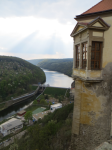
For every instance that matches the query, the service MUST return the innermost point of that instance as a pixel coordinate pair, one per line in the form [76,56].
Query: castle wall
[92,123]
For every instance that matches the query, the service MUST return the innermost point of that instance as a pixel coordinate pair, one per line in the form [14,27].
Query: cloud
[3,48]
[39,28]
[37,46]
[63,10]
[37,36]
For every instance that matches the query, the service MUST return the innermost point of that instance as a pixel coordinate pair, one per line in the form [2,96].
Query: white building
[55,106]
[10,126]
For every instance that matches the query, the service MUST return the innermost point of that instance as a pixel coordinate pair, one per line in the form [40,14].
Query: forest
[17,76]
[61,65]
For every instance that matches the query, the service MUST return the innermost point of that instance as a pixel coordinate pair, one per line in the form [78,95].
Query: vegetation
[17,77]
[54,92]
[51,92]
[28,116]
[61,65]
[53,132]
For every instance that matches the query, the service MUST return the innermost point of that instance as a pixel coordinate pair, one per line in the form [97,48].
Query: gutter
[94,13]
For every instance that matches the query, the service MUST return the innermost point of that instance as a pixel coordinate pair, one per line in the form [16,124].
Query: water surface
[56,79]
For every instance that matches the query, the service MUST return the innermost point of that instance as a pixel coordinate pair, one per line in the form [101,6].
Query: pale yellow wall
[84,35]
[88,107]
[97,24]
[95,74]
[90,103]
[79,28]
[99,34]
[77,38]
[107,51]
[88,73]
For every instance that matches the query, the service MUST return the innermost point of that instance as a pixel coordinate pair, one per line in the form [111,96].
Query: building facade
[92,72]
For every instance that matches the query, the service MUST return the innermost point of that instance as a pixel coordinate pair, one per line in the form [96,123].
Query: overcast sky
[33,29]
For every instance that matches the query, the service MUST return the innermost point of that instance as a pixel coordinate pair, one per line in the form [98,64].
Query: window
[96,55]
[77,55]
[84,55]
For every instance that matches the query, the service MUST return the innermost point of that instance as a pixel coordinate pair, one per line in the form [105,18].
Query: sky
[35,29]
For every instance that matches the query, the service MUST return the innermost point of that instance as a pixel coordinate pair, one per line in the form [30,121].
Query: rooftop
[101,6]
[41,115]
[21,112]
[55,105]
[10,124]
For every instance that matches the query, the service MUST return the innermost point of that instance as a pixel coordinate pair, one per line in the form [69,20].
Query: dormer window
[96,55]
[84,55]
[77,55]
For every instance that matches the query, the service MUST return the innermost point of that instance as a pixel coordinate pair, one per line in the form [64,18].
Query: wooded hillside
[61,65]
[17,77]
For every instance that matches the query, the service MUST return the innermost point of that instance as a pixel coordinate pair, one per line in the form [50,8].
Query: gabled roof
[97,23]
[77,26]
[101,6]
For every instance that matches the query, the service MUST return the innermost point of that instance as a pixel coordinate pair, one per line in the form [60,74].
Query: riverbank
[6,104]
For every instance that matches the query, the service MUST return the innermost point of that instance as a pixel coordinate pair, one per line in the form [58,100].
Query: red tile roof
[101,6]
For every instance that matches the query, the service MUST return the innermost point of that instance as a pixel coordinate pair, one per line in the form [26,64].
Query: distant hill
[17,76]
[61,65]
[35,61]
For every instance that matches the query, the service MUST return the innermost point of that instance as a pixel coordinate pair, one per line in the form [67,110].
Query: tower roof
[101,6]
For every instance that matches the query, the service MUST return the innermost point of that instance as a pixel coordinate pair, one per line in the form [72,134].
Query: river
[57,79]
[53,78]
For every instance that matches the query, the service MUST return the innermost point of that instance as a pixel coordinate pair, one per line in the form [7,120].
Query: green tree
[28,116]
[13,147]
[35,102]
[42,101]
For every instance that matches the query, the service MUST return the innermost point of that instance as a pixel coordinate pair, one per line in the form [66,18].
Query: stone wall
[92,123]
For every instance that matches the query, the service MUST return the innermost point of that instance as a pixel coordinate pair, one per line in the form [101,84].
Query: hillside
[35,61]
[61,65]
[17,77]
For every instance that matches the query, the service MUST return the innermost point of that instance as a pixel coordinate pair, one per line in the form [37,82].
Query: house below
[40,115]
[55,106]
[21,113]
[11,126]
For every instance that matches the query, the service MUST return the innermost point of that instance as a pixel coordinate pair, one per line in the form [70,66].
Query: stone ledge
[87,80]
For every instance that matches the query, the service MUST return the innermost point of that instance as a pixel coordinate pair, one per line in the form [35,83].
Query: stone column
[74,55]
[77,105]
[89,51]
[80,61]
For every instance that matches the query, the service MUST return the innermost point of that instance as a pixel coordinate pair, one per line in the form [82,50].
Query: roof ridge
[92,7]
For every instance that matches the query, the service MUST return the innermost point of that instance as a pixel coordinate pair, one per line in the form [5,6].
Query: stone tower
[92,72]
